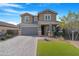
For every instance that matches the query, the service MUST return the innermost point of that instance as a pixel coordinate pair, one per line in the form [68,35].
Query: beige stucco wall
[30,18]
[41,16]
[4,28]
[46,22]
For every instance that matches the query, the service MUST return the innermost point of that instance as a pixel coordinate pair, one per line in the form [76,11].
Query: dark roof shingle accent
[48,10]
[25,14]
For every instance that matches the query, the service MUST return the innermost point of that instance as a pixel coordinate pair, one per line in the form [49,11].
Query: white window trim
[47,17]
[25,19]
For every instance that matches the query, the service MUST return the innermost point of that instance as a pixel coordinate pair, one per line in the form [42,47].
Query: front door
[44,29]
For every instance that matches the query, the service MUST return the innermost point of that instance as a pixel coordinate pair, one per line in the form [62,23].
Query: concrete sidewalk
[19,46]
[74,43]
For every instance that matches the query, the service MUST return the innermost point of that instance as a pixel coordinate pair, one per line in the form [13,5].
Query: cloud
[11,10]
[10,5]
[11,22]
[6,14]
[19,12]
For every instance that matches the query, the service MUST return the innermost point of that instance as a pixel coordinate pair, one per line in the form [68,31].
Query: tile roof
[46,10]
[26,13]
[7,24]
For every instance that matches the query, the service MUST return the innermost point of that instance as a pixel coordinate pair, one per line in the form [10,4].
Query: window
[47,17]
[26,19]
[34,20]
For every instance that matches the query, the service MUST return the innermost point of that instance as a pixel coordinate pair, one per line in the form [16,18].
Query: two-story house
[41,25]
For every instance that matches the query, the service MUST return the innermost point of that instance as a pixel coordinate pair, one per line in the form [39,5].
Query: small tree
[70,22]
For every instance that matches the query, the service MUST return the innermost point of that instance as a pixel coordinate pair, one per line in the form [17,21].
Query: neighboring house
[41,25]
[5,27]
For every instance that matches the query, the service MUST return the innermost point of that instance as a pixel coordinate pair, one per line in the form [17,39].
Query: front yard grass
[56,48]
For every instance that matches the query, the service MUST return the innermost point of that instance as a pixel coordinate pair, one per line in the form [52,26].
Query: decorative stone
[49,33]
[39,33]
[19,32]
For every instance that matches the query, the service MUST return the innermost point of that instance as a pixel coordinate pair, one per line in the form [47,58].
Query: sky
[10,12]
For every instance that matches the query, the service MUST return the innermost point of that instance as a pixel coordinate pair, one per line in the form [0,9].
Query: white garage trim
[28,25]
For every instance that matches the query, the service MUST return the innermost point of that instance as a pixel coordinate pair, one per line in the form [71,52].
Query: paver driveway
[18,46]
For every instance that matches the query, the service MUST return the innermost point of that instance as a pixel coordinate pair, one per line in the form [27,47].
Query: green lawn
[56,48]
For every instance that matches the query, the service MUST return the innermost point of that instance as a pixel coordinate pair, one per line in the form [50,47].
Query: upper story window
[34,20]
[47,17]
[26,19]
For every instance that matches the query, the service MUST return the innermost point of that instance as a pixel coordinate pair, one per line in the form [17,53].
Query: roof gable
[48,11]
[45,11]
[24,14]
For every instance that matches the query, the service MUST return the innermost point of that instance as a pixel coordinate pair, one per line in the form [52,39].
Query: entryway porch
[46,30]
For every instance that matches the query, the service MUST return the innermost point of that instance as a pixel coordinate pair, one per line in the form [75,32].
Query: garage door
[30,31]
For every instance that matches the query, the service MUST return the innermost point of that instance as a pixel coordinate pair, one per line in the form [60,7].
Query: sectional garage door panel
[29,31]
